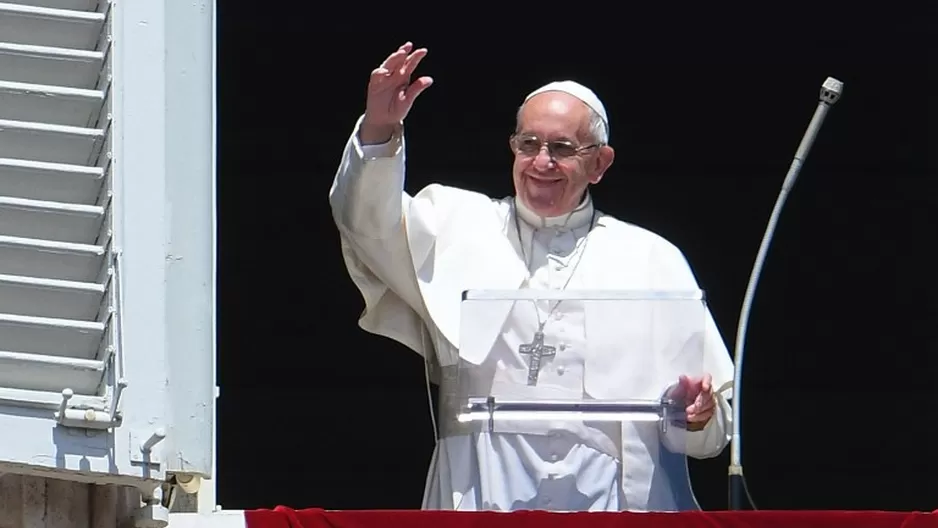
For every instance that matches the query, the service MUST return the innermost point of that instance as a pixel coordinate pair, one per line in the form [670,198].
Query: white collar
[579,217]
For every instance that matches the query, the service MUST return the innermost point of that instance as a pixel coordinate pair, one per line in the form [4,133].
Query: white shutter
[107,294]
[58,293]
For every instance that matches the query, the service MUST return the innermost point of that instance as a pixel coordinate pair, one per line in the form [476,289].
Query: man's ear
[601,163]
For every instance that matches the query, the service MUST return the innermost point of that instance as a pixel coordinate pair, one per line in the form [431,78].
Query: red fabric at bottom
[282,517]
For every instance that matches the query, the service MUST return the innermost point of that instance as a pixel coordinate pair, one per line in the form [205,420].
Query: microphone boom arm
[831,90]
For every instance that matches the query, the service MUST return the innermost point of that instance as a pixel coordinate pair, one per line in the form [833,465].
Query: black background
[707,107]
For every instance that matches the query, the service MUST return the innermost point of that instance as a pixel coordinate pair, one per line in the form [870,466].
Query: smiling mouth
[540,180]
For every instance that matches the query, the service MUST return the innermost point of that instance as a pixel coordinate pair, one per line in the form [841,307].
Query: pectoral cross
[538,350]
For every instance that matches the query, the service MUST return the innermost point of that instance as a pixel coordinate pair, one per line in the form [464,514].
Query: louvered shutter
[107,239]
[57,297]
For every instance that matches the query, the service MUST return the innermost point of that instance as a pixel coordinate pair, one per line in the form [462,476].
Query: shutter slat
[50,104]
[46,259]
[75,5]
[61,222]
[47,399]
[44,26]
[54,337]
[50,65]
[50,181]
[50,298]
[37,372]
[48,142]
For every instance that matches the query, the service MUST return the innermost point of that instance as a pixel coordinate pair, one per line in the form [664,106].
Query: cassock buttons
[560,370]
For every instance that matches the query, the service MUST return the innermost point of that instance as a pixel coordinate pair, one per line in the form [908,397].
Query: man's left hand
[698,392]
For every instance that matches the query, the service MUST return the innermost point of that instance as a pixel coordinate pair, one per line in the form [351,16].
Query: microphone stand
[831,90]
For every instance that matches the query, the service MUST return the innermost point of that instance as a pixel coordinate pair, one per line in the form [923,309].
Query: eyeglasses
[531,146]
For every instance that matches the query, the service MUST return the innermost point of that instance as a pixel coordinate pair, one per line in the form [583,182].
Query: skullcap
[576,90]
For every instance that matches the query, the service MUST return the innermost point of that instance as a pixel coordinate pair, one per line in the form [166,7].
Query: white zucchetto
[580,92]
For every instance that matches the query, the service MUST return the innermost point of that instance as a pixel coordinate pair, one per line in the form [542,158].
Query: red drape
[316,518]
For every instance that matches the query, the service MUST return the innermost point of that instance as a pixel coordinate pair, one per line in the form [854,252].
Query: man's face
[553,183]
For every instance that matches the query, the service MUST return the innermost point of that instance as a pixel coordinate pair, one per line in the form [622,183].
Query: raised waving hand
[391,93]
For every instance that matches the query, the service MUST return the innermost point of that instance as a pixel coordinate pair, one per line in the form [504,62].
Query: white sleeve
[367,200]
[715,436]
[367,193]
[707,442]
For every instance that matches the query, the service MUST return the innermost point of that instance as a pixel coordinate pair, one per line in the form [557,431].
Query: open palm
[391,93]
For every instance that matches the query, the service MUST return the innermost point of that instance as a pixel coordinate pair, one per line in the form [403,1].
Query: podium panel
[612,369]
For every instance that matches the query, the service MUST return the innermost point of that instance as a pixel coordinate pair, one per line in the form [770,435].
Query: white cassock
[412,257]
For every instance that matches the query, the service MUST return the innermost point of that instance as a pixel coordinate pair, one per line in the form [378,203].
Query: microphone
[831,90]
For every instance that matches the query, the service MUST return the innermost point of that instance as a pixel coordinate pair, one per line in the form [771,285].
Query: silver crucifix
[538,350]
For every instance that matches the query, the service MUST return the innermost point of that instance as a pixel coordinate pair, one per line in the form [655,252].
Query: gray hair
[598,129]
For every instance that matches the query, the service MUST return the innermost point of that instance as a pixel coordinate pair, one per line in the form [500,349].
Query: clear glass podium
[601,369]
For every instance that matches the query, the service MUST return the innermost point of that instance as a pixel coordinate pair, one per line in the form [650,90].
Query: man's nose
[543,161]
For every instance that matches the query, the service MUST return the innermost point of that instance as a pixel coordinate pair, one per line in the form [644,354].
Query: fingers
[396,59]
[686,383]
[707,400]
[412,61]
[404,61]
[702,404]
[699,417]
[390,90]
[702,409]
[396,71]
[683,389]
[700,390]
[694,386]
[417,87]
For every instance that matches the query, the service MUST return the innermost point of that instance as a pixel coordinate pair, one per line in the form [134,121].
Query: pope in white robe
[412,257]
